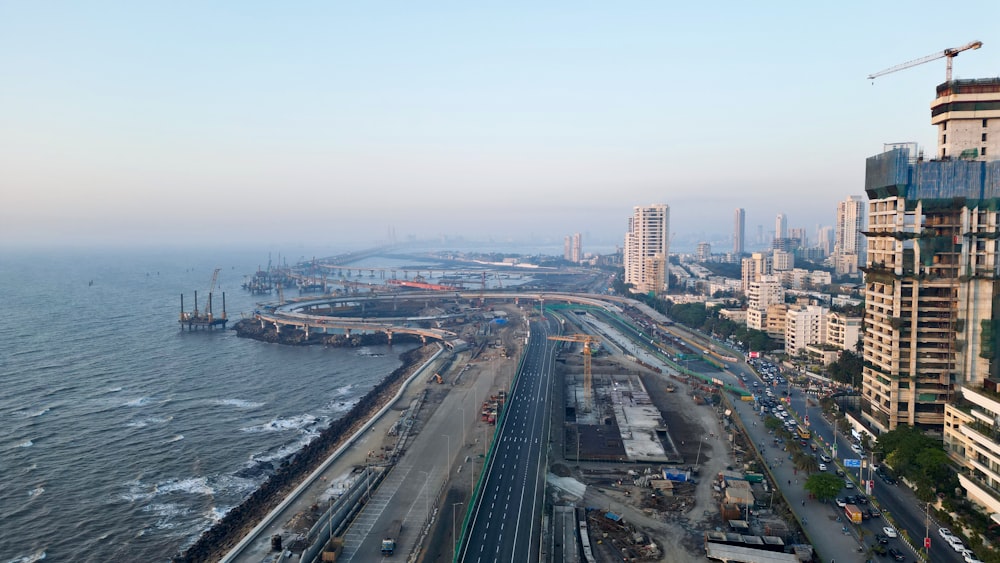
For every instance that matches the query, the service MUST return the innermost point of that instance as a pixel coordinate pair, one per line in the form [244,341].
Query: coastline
[215,542]
[250,328]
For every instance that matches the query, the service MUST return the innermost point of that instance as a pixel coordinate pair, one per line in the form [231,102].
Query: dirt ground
[677,529]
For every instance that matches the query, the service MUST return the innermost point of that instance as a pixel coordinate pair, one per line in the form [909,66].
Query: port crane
[588,342]
[947,53]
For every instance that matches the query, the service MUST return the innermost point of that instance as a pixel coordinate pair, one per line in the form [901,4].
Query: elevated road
[504,523]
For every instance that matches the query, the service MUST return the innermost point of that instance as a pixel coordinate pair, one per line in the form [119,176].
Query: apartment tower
[931,296]
[848,245]
[739,232]
[647,246]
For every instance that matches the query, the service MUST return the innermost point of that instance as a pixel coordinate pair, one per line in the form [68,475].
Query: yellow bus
[804,433]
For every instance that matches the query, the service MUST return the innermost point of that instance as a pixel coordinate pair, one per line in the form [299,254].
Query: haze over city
[142,124]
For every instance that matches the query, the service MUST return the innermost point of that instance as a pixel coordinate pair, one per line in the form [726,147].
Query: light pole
[454,537]
[462,408]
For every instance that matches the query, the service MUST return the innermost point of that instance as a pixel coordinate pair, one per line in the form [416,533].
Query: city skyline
[139,124]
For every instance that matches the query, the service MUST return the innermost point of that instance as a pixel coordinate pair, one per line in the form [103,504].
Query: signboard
[852,463]
[754,354]
[927,543]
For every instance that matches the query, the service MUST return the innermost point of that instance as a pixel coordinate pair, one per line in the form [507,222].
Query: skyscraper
[780,226]
[576,250]
[739,232]
[848,246]
[647,246]
[931,290]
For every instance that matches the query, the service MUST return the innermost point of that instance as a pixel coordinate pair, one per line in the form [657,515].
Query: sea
[123,438]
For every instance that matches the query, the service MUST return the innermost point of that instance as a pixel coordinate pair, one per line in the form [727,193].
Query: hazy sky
[287,121]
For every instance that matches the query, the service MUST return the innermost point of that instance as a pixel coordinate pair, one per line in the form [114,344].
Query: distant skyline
[260,123]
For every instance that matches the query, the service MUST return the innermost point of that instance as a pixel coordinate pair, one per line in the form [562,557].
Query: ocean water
[123,438]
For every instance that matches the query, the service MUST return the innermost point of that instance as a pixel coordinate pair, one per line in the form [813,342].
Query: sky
[265,122]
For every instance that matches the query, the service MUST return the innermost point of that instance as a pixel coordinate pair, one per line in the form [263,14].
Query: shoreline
[217,540]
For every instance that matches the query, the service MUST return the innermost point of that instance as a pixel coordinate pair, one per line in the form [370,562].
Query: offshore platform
[205,318]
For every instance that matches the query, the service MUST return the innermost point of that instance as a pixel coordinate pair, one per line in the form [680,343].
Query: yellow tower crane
[588,343]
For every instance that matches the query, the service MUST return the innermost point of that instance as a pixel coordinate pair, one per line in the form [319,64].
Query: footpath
[818,520]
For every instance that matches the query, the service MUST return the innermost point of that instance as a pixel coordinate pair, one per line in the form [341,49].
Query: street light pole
[447,461]
[454,537]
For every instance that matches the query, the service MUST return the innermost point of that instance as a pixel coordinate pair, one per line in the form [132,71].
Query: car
[822,467]
[896,554]
[882,538]
[840,473]
[945,533]
[857,449]
[957,544]
[890,532]
[825,458]
[866,515]
[848,484]
[840,502]
[875,511]
[971,558]
[862,499]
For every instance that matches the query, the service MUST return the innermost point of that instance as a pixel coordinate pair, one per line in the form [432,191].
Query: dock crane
[947,53]
[588,343]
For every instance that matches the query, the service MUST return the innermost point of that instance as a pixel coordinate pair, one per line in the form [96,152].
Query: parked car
[945,533]
[841,502]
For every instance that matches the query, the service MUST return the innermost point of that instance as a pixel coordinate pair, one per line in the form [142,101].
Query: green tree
[807,462]
[773,423]
[823,486]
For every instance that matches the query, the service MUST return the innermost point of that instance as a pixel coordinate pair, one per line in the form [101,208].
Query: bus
[803,433]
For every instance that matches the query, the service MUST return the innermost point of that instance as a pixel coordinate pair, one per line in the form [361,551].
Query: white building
[804,325]
[760,295]
[973,443]
[849,243]
[782,260]
[843,331]
[739,231]
[647,246]
[755,268]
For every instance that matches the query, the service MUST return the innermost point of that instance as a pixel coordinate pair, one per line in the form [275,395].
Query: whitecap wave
[176,438]
[26,444]
[193,485]
[238,403]
[37,413]
[143,422]
[35,492]
[283,424]
[141,401]
[114,389]
[36,556]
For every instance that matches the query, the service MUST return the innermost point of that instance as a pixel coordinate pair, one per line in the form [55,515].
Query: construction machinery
[588,342]
[947,53]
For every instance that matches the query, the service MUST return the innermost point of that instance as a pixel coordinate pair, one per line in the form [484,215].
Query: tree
[772,423]
[824,486]
[807,462]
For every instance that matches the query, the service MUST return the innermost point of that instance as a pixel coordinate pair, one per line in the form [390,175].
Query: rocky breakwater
[215,542]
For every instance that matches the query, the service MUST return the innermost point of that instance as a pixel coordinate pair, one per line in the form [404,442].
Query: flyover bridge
[297,315]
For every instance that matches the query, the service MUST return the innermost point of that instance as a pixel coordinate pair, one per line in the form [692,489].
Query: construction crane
[588,343]
[948,53]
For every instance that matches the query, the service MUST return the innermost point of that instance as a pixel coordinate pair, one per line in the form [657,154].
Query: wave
[144,422]
[114,389]
[283,424]
[176,438]
[141,401]
[26,444]
[238,403]
[36,556]
[192,485]
[35,492]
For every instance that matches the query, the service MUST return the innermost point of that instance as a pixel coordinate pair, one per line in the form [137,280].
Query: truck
[389,541]
[853,513]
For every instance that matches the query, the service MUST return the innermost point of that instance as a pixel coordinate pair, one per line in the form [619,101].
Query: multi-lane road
[505,521]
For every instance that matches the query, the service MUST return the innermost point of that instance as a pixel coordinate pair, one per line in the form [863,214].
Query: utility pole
[927,529]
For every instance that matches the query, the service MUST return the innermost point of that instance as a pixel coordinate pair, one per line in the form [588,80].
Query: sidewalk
[818,520]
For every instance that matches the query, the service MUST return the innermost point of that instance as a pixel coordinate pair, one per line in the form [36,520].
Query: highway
[505,522]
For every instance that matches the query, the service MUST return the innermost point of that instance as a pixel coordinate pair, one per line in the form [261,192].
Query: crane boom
[949,53]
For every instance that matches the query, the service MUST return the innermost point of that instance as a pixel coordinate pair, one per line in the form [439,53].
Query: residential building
[704,252]
[567,248]
[576,249]
[804,325]
[755,267]
[930,284]
[782,260]
[825,240]
[739,231]
[848,249]
[780,226]
[647,246]
[972,440]
[843,331]
[760,295]
[967,116]
[775,319]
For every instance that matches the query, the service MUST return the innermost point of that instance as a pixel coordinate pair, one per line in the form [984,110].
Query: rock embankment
[215,542]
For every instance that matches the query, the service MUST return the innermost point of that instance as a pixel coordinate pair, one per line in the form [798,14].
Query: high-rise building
[754,268]
[739,232]
[804,325]
[967,116]
[704,251]
[780,226]
[647,247]
[849,243]
[761,294]
[576,249]
[970,438]
[567,248]
[800,234]
[825,238]
[931,291]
